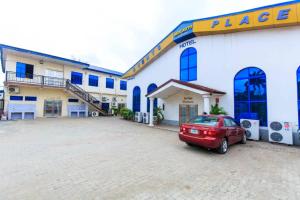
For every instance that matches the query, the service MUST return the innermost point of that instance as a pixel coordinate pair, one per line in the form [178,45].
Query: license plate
[194,131]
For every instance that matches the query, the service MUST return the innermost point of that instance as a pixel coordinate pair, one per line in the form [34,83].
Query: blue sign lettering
[245,20]
[215,23]
[263,17]
[283,14]
[228,23]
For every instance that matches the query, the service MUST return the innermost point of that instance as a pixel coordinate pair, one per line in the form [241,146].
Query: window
[73,100]
[110,83]
[205,120]
[229,122]
[150,89]
[136,99]
[188,65]
[123,85]
[24,70]
[30,98]
[76,78]
[250,95]
[298,89]
[16,98]
[93,80]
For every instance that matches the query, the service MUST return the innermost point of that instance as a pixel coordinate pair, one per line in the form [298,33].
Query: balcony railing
[33,79]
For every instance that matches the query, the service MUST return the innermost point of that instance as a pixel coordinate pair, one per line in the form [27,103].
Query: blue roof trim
[3,46]
[217,16]
[103,70]
[2,60]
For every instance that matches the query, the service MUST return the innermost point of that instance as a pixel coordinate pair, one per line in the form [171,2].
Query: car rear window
[205,120]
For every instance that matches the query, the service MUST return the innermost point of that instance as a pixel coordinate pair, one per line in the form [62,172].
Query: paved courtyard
[108,158]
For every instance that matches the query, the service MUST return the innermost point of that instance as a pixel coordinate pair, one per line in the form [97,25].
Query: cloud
[112,34]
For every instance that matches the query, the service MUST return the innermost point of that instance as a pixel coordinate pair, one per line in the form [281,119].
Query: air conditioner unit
[138,117]
[14,90]
[95,114]
[146,118]
[104,99]
[281,132]
[251,127]
[114,99]
[114,104]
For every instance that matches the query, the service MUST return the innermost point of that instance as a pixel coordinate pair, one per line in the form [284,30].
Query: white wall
[220,57]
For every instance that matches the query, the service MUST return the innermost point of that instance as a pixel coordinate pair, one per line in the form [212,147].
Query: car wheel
[244,139]
[224,147]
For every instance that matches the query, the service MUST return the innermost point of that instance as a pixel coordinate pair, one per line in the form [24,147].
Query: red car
[212,132]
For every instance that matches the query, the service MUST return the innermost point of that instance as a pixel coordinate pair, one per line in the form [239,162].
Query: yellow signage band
[279,15]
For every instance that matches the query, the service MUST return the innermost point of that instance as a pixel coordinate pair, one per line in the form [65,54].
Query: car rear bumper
[208,142]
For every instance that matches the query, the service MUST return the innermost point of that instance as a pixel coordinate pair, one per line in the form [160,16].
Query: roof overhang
[5,49]
[173,87]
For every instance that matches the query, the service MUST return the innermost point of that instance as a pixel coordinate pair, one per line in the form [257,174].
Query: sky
[111,34]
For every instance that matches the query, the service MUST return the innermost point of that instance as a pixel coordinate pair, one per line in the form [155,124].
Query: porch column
[151,111]
[206,105]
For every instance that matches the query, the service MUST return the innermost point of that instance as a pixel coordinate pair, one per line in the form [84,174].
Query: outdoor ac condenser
[138,117]
[146,118]
[251,127]
[281,132]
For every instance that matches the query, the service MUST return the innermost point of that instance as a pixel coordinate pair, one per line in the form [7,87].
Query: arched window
[151,88]
[136,99]
[250,95]
[188,65]
[298,89]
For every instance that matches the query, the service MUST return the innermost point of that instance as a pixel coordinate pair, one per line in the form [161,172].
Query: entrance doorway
[52,108]
[187,112]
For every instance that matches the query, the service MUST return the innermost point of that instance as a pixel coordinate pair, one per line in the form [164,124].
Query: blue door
[105,107]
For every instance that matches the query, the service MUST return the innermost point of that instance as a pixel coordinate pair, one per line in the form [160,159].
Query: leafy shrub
[216,110]
[158,114]
[126,114]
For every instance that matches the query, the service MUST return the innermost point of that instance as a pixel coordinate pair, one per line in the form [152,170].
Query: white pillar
[151,111]
[206,106]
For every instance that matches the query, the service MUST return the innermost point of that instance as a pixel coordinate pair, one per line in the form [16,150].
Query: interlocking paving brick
[109,158]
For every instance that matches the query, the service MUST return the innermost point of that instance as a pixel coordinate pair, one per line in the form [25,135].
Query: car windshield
[205,120]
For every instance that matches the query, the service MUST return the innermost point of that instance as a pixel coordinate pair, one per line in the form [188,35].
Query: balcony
[35,80]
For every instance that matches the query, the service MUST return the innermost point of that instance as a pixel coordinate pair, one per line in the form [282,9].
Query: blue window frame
[136,99]
[151,88]
[76,78]
[93,80]
[110,83]
[73,100]
[24,70]
[123,85]
[298,90]
[16,98]
[250,95]
[188,65]
[30,98]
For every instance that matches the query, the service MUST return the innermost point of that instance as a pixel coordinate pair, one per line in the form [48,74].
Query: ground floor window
[298,90]
[150,89]
[136,99]
[250,95]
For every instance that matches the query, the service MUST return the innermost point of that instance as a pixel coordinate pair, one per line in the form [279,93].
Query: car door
[230,131]
[238,134]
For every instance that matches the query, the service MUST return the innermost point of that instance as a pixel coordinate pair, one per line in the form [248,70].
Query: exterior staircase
[85,96]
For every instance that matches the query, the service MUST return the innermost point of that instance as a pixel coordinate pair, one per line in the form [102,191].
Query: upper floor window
[123,85]
[16,98]
[93,80]
[188,65]
[24,70]
[30,98]
[76,78]
[110,83]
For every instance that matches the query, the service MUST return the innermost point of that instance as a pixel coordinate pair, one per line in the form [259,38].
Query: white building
[248,62]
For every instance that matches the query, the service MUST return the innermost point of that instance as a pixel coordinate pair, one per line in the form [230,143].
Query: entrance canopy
[174,86]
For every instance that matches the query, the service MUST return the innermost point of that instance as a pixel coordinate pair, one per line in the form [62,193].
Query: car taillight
[209,133]
[182,129]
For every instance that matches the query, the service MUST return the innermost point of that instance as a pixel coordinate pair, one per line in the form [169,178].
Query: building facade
[42,85]
[246,62]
